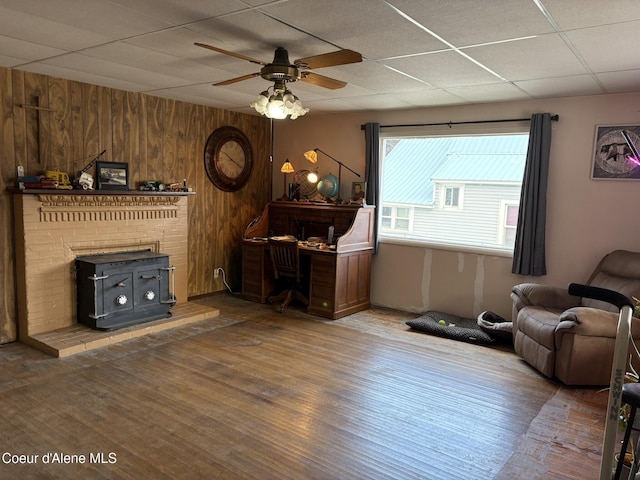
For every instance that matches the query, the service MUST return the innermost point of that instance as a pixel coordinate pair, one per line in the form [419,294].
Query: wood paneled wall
[160,139]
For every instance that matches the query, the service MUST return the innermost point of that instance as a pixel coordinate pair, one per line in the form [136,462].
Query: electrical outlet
[20,171]
[216,272]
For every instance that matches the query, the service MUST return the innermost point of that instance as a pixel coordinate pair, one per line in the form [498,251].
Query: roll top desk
[338,272]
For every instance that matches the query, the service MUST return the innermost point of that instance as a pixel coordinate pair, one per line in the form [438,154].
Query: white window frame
[502,221]
[443,195]
[394,211]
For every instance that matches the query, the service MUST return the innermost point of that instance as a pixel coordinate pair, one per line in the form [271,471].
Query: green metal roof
[411,168]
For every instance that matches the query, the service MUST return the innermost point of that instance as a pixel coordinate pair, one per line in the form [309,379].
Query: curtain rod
[555,118]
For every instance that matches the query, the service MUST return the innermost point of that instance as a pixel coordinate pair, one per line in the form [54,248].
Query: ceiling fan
[281,71]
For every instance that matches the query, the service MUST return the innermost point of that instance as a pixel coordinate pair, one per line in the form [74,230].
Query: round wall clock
[228,158]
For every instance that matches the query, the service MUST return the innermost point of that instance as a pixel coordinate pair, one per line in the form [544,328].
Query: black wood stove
[117,290]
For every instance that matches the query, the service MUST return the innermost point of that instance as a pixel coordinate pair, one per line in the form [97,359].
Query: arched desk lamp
[312,156]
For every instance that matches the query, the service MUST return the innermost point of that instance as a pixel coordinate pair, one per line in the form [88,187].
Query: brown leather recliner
[572,338]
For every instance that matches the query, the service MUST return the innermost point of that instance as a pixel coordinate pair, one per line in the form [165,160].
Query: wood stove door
[117,292]
[152,287]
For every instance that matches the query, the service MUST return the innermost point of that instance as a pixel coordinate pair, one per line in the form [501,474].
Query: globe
[328,186]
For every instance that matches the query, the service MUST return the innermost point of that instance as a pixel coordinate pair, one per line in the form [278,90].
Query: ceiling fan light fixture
[275,107]
[282,104]
[260,103]
[289,99]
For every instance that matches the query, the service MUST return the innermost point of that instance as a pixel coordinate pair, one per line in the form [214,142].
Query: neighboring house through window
[460,191]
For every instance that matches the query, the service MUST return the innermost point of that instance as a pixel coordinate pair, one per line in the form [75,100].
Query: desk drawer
[323,270]
[340,284]
[322,285]
[257,272]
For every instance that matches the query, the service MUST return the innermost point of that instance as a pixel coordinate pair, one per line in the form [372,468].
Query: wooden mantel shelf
[129,193]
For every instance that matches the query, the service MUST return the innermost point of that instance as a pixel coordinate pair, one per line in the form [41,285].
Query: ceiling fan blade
[339,57]
[237,79]
[322,81]
[232,54]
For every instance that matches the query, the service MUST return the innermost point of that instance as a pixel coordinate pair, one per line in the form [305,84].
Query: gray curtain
[529,250]
[372,173]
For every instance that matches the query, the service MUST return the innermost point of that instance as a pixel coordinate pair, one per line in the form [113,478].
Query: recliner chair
[572,338]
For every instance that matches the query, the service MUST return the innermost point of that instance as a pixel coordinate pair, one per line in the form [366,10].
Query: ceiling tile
[184,11]
[375,76]
[330,105]
[104,18]
[372,28]
[85,77]
[443,70]
[470,22]
[608,48]
[619,82]
[496,92]
[506,58]
[81,63]
[588,13]
[430,98]
[157,62]
[10,62]
[41,31]
[382,102]
[561,86]
[26,51]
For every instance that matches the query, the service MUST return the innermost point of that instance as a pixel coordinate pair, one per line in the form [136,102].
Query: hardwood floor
[253,394]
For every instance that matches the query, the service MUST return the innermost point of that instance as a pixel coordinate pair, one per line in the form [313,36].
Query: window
[396,218]
[456,191]
[508,223]
[451,195]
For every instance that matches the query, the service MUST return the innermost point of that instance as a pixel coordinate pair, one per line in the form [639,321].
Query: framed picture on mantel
[112,175]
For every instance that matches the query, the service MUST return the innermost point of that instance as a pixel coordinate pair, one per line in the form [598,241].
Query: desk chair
[285,258]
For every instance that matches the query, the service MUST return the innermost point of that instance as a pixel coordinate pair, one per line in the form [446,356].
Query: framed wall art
[615,153]
[358,190]
[112,175]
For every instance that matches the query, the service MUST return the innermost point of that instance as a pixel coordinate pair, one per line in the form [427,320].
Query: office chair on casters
[285,258]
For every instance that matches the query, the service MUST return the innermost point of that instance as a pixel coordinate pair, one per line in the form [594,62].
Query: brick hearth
[52,229]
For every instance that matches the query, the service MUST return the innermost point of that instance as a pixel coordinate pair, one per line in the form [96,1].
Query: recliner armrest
[588,321]
[527,294]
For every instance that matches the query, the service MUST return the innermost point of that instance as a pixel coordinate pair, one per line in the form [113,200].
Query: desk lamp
[312,156]
[286,168]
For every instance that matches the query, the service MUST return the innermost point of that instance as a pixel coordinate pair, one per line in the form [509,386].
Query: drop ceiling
[416,53]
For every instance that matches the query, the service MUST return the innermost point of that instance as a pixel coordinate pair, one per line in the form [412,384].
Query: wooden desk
[339,279]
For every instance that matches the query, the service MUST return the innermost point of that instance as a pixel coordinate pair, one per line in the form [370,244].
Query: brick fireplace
[52,229]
